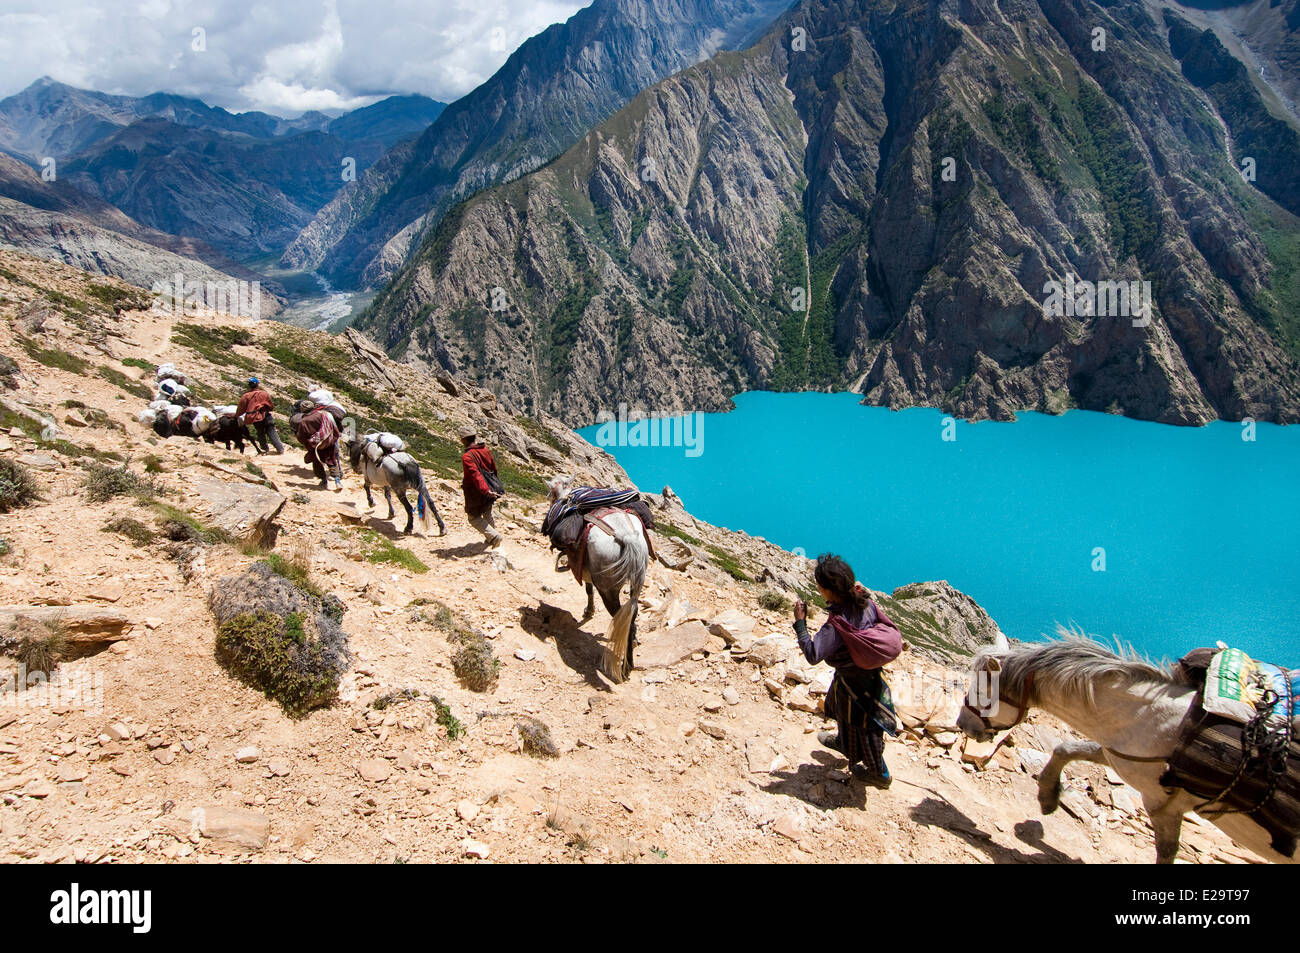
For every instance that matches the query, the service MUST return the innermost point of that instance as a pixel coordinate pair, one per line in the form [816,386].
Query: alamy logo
[76,906]
[179,296]
[637,429]
[1102,299]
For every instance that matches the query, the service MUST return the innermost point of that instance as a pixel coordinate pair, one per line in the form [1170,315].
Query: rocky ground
[707,753]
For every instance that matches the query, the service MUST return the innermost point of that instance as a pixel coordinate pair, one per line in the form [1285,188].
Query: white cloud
[282,57]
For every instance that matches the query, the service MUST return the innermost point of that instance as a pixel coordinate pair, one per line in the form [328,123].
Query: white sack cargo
[204,421]
[173,411]
[146,417]
[391,442]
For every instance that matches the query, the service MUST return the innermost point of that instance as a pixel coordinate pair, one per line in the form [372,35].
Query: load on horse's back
[382,460]
[603,535]
[1151,725]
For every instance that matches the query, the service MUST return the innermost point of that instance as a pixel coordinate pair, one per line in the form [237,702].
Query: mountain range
[877,195]
[666,202]
[550,91]
[244,183]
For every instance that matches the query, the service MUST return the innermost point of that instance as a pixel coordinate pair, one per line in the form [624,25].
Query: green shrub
[442,712]
[181,527]
[138,362]
[668,529]
[132,529]
[380,549]
[118,299]
[53,357]
[473,662]
[154,464]
[279,639]
[475,665]
[104,483]
[296,569]
[773,601]
[36,644]
[129,384]
[17,486]
[535,737]
[727,563]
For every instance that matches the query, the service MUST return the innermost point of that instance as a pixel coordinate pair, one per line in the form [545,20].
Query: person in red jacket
[481,484]
[255,407]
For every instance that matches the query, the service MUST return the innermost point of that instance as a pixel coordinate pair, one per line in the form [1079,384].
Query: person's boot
[869,777]
[830,739]
[338,485]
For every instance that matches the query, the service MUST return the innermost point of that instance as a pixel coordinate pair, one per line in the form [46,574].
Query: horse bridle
[1022,707]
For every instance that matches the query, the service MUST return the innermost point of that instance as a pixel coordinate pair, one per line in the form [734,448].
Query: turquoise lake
[1200,528]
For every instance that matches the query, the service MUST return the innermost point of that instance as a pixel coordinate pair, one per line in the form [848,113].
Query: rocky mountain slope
[1263,34]
[876,196]
[547,95]
[57,221]
[706,754]
[244,183]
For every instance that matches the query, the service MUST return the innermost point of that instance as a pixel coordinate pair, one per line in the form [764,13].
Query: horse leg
[591,603]
[1049,780]
[410,513]
[1167,822]
[370,500]
[388,498]
[610,599]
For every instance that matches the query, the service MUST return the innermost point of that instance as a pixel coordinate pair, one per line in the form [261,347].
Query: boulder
[84,627]
[978,753]
[73,419]
[674,554]
[513,440]
[447,383]
[546,453]
[38,461]
[768,651]
[669,646]
[232,826]
[734,626]
[244,510]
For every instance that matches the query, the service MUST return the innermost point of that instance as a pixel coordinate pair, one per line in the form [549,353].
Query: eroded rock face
[246,511]
[657,261]
[550,92]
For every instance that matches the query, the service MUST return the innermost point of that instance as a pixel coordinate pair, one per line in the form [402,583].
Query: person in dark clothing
[858,698]
[480,473]
[255,407]
[317,430]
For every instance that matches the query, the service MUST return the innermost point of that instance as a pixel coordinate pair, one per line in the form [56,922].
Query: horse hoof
[1048,803]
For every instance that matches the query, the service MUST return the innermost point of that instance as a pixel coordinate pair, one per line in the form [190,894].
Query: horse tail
[424,502]
[633,558]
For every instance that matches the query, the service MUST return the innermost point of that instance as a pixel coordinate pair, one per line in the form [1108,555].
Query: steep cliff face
[553,89]
[881,195]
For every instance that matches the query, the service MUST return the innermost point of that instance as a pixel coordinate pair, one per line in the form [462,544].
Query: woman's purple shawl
[871,638]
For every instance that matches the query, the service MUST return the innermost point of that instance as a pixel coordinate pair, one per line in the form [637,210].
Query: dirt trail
[707,759]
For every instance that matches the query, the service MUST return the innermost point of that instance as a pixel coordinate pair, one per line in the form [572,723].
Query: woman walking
[856,641]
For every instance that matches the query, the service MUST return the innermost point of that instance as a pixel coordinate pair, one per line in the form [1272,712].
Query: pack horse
[1148,723]
[381,460]
[603,535]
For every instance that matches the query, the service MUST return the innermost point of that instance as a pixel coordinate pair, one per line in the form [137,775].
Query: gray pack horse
[395,472]
[612,562]
[1132,710]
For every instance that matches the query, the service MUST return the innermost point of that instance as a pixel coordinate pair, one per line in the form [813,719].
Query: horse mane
[1073,662]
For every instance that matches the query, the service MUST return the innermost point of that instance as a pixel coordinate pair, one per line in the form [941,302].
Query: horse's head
[986,710]
[558,486]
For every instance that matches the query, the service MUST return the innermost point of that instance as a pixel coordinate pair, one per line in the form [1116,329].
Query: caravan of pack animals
[219,645]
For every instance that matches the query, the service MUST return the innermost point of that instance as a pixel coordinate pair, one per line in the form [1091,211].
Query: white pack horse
[395,472]
[1131,709]
[612,562]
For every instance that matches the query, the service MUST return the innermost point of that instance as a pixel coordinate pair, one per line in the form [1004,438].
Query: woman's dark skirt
[851,701]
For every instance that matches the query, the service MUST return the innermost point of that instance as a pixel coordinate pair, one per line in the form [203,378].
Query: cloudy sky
[283,56]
